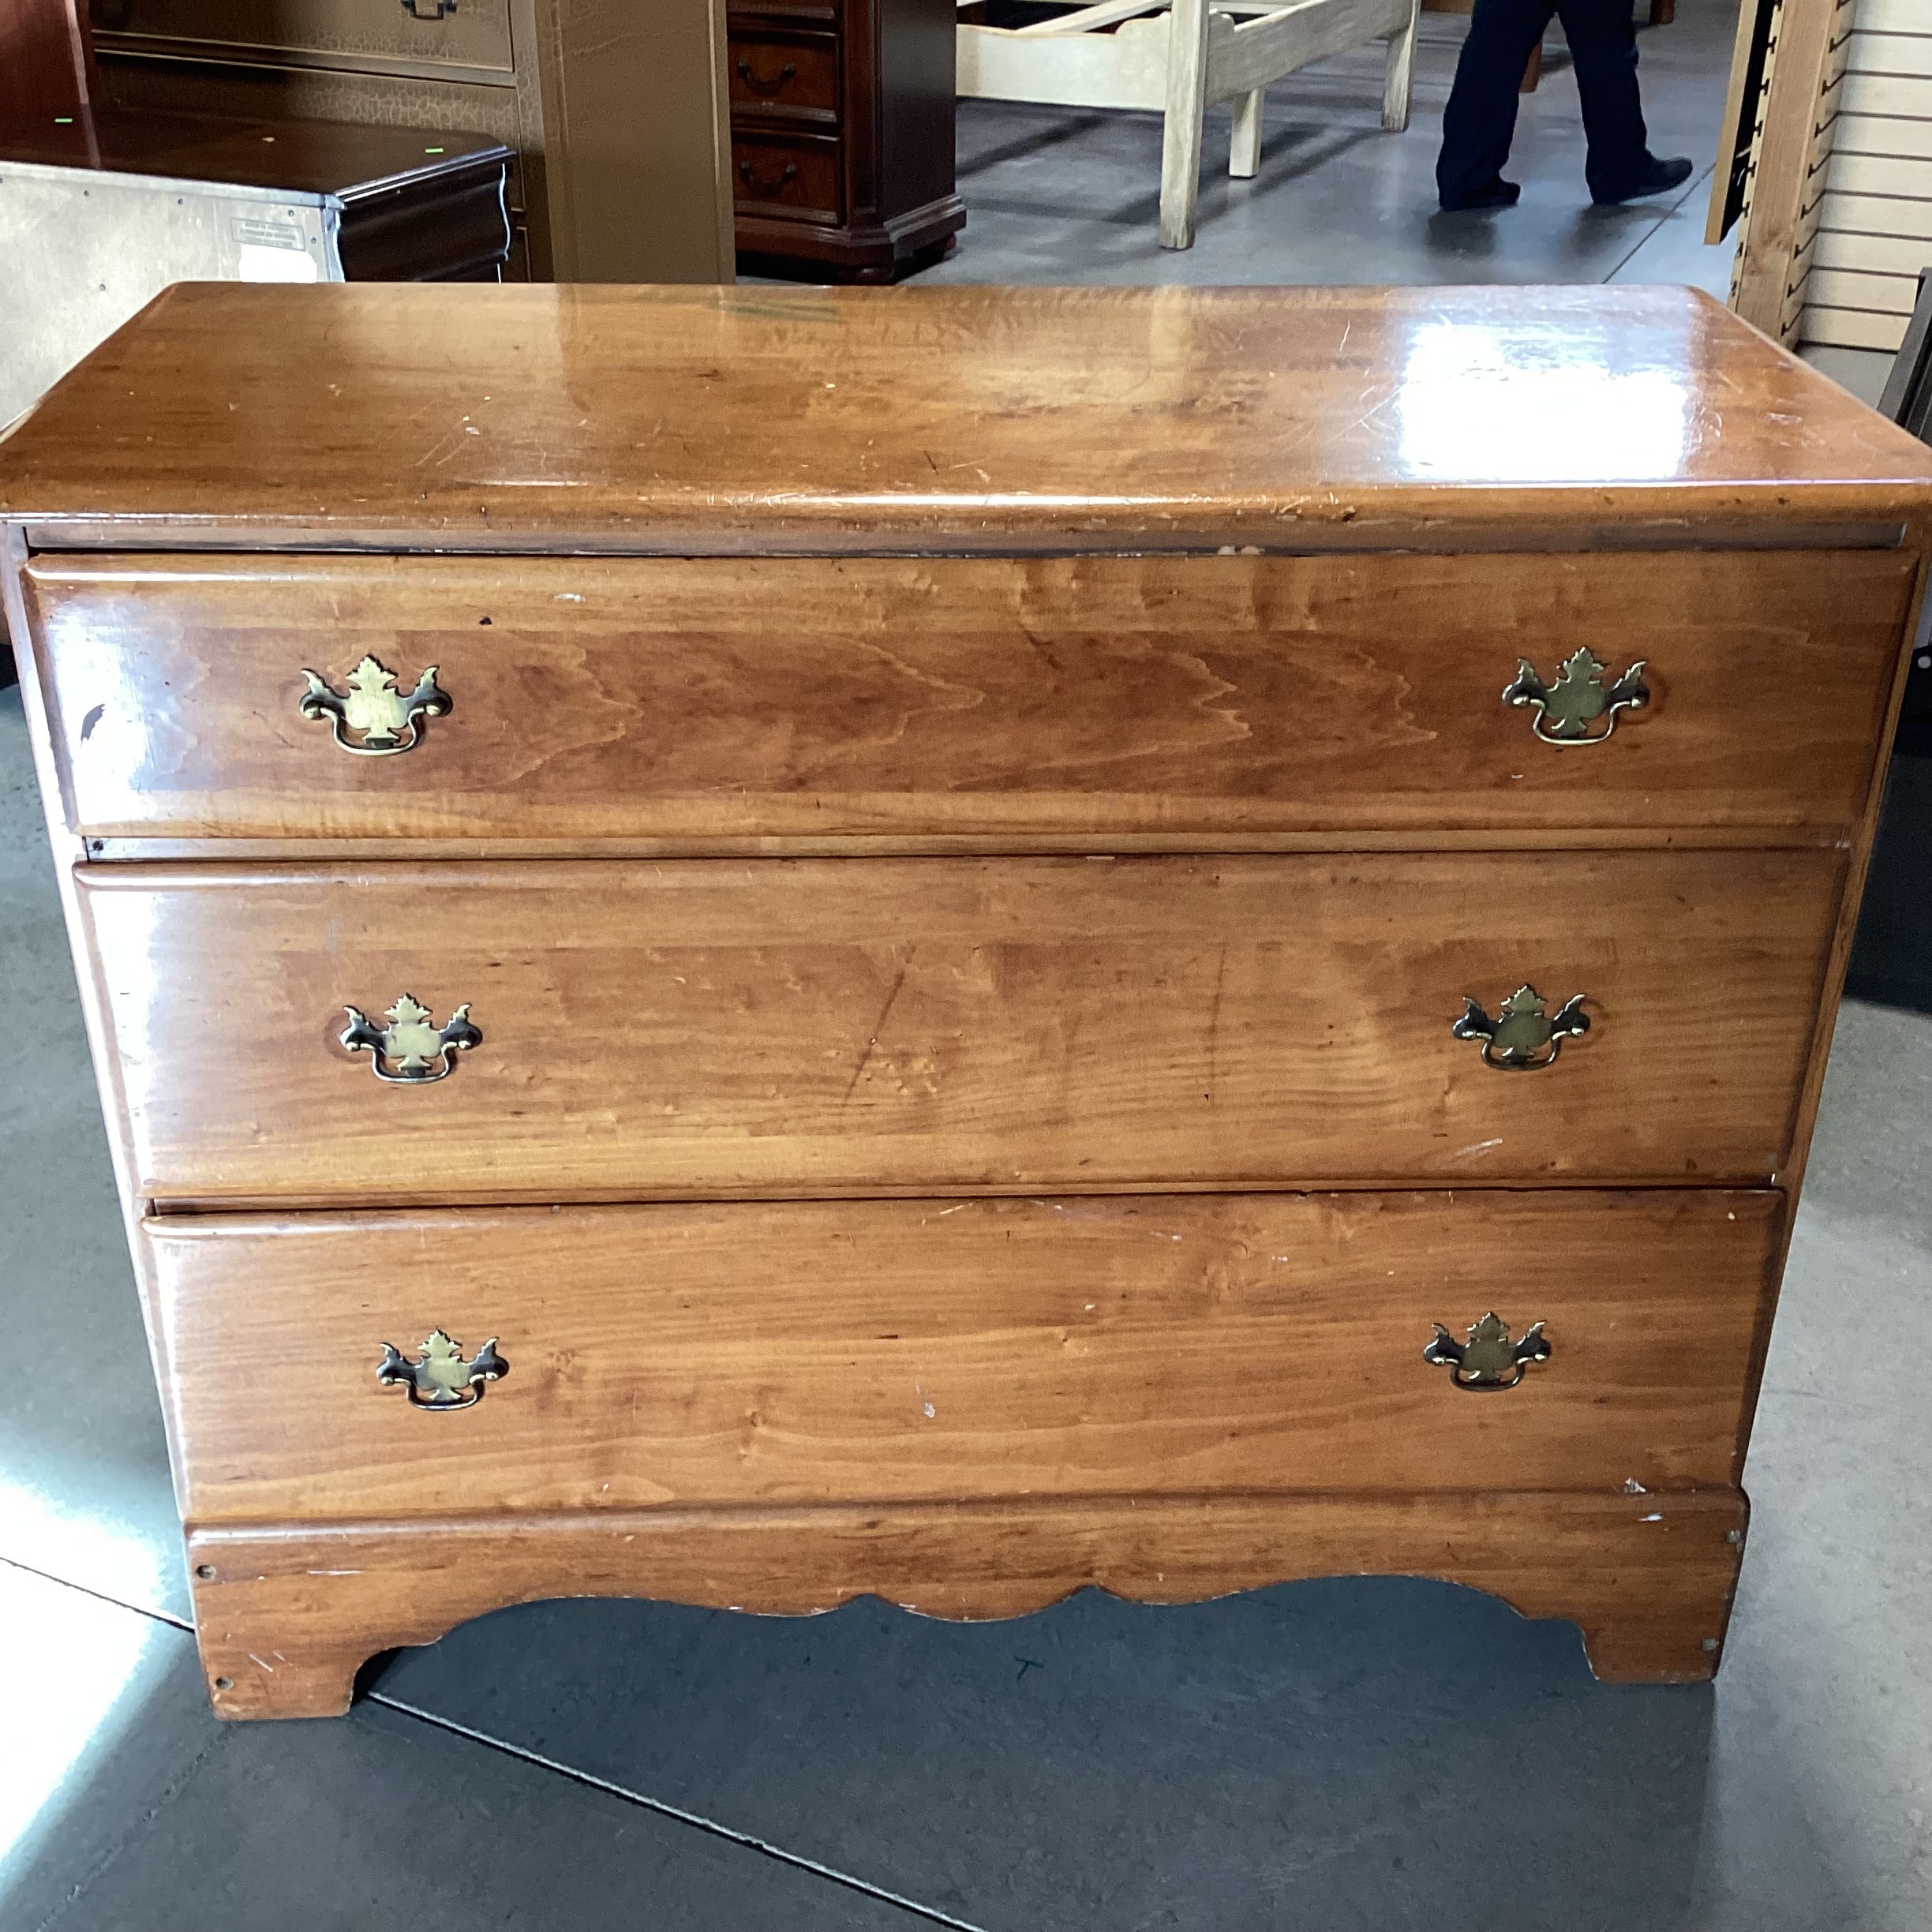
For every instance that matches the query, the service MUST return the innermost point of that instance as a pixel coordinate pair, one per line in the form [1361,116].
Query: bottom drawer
[901,1350]
[798,175]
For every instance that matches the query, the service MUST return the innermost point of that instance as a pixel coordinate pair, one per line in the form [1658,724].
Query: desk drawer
[892,1351]
[691,701]
[799,175]
[874,1026]
[783,76]
[471,33]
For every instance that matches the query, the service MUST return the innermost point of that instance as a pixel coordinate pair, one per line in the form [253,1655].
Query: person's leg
[1603,47]
[1480,118]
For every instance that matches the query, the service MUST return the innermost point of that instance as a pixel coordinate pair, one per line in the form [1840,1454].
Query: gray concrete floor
[1358,1753]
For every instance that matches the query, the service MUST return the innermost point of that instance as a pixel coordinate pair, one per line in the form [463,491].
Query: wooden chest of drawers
[955,944]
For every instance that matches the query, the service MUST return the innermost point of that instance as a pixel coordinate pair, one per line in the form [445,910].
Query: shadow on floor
[1281,1757]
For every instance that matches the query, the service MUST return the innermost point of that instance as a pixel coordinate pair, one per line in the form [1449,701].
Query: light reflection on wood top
[956,416]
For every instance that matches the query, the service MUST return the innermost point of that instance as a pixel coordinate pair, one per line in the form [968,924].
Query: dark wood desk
[842,115]
[417,206]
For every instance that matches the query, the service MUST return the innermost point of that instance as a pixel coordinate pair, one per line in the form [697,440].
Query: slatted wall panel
[1828,126]
[1795,123]
[1874,226]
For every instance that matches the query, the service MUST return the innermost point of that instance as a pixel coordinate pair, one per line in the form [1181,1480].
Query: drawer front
[874,1026]
[465,33]
[1054,700]
[800,176]
[783,76]
[891,1351]
[757,16]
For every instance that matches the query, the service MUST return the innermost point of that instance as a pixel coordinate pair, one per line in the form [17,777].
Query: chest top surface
[597,417]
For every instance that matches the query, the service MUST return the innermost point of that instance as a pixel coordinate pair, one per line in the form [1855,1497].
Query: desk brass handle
[757,83]
[439,1378]
[385,723]
[1489,1359]
[1565,709]
[1522,1038]
[760,185]
[428,10]
[409,1052]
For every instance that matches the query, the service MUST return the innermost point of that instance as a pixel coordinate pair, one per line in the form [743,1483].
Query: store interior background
[1057,195]
[1353,1753]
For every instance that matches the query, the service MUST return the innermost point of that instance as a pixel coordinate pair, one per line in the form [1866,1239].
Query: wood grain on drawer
[783,76]
[798,175]
[470,33]
[1055,699]
[877,1351]
[829,1025]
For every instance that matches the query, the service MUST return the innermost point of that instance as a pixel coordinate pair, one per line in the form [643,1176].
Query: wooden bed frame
[1179,57]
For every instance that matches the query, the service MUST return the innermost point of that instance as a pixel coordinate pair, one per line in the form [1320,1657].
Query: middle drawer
[881,1026]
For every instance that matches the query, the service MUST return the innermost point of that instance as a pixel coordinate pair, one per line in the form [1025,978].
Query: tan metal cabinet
[616,111]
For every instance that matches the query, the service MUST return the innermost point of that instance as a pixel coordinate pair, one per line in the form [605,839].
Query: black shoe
[1499,194]
[1658,177]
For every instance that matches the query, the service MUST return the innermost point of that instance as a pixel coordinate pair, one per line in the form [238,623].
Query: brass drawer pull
[1522,1038]
[409,1052]
[770,189]
[428,10]
[1566,710]
[757,83]
[385,723]
[439,1378]
[1489,1359]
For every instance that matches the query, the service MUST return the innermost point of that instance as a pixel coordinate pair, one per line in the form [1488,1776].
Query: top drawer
[1078,702]
[458,33]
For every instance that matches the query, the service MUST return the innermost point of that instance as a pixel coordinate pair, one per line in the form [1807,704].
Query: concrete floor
[1357,1753]
[1065,196]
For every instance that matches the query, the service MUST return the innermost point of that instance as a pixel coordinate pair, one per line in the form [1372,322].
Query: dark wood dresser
[955,944]
[842,117]
[414,208]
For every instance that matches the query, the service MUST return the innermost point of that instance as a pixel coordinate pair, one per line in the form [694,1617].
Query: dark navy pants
[1482,114]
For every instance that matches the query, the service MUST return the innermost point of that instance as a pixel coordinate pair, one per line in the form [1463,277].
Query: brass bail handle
[410,1051]
[1577,699]
[440,1377]
[1523,1037]
[1489,1359]
[373,718]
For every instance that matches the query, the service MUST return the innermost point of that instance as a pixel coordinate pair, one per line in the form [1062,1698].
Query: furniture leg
[1399,83]
[1244,149]
[1187,102]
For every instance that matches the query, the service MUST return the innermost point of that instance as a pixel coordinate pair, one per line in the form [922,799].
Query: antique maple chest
[749,947]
